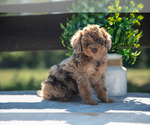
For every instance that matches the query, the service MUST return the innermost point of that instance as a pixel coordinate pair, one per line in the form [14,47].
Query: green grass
[138,80]
[30,79]
[22,79]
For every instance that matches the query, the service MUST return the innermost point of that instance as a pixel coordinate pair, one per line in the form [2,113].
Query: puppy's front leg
[85,90]
[101,91]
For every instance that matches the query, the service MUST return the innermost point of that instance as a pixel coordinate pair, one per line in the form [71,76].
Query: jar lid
[113,56]
[114,60]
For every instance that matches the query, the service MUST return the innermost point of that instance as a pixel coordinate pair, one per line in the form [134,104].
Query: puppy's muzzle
[94,50]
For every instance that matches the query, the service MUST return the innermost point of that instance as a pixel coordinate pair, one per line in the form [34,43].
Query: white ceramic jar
[116,76]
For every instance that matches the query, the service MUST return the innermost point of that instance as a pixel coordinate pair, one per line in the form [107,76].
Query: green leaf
[132,3]
[139,35]
[64,36]
[62,26]
[100,5]
[62,40]
[116,39]
[134,60]
[91,9]
[92,20]
[69,54]
[130,40]
[111,31]
[85,22]
[127,56]
[100,16]
[85,4]
[73,17]
[85,16]
[79,25]
[69,48]
[136,31]
[74,6]
[137,54]
[106,1]
[119,31]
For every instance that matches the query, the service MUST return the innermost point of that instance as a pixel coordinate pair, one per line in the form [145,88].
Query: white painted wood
[45,7]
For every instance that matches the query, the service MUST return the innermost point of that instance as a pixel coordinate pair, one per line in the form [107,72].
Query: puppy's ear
[76,42]
[107,38]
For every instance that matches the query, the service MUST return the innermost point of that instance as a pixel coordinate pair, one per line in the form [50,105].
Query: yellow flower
[140,5]
[111,7]
[117,3]
[117,15]
[140,17]
[138,35]
[136,45]
[119,19]
[111,18]
[110,22]
[136,11]
[137,22]
[131,14]
[119,8]
[127,8]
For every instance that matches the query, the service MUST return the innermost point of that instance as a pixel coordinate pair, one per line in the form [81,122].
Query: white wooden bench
[24,107]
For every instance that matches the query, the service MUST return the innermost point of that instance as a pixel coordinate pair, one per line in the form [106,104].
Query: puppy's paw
[107,100]
[91,102]
[39,93]
[111,101]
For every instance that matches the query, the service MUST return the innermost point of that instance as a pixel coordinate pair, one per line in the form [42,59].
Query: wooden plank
[38,32]
[42,32]
[39,7]
[54,6]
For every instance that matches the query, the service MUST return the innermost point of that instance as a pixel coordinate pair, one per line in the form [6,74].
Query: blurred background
[26,69]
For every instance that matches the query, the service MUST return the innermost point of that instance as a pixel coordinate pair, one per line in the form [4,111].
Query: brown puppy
[84,69]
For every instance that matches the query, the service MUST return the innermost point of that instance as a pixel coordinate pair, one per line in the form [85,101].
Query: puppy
[86,68]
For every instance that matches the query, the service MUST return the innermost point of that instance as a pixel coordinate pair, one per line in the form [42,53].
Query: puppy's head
[92,40]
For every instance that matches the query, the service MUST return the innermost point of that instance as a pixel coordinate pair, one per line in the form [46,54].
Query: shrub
[125,39]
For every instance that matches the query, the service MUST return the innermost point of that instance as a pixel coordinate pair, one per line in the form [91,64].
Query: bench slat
[42,32]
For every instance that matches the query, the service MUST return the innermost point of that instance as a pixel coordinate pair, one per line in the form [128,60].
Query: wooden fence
[42,31]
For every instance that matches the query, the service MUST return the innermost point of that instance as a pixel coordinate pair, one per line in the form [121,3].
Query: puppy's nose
[94,50]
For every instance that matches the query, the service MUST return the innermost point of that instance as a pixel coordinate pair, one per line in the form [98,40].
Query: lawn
[22,79]
[30,79]
[138,80]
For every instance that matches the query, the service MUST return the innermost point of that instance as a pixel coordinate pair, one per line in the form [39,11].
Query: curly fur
[86,68]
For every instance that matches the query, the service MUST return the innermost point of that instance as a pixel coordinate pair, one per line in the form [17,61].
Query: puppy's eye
[87,43]
[99,41]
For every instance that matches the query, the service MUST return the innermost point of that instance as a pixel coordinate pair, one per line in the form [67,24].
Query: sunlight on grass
[30,79]
[138,77]
[22,78]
